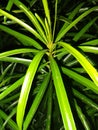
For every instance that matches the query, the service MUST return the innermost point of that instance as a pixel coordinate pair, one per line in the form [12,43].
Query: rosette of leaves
[58,73]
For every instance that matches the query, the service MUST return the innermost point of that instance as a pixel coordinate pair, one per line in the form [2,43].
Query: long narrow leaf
[70,18]
[48,33]
[12,98]
[83,61]
[55,18]
[4,82]
[49,108]
[65,109]
[26,88]
[10,122]
[20,22]
[41,22]
[47,21]
[82,117]
[89,49]
[91,42]
[84,29]
[32,2]
[8,7]
[75,22]
[9,117]
[47,13]
[31,16]
[75,11]
[85,99]
[11,88]
[36,102]
[67,22]
[16,60]
[5,71]
[16,51]
[80,79]
[27,41]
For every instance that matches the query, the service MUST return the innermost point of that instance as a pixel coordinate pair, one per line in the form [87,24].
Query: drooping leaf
[26,88]
[36,102]
[80,79]
[83,61]
[27,41]
[16,60]
[65,109]
[16,51]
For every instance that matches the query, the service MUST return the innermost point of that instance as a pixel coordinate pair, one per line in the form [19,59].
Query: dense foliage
[48,65]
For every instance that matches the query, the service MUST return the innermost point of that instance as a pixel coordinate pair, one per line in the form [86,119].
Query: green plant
[50,59]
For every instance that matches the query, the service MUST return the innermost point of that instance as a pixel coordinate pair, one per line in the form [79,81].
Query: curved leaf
[36,102]
[80,79]
[26,88]
[16,51]
[23,24]
[83,61]
[16,60]
[25,40]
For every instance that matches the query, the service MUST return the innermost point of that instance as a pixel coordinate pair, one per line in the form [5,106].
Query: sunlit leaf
[36,102]
[31,16]
[26,88]
[65,109]
[89,49]
[23,24]
[47,12]
[83,61]
[17,51]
